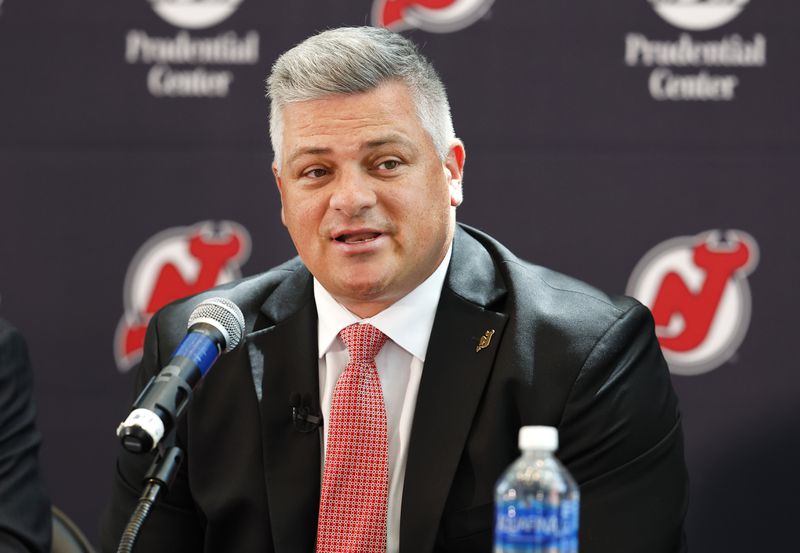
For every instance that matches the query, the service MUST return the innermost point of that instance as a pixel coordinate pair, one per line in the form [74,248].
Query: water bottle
[536,500]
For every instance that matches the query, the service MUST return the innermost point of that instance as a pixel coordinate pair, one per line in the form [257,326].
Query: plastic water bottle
[537,501]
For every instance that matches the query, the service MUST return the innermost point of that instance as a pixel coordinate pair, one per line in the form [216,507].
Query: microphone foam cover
[223,314]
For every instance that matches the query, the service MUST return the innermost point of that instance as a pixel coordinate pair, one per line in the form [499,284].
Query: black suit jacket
[562,354]
[25,522]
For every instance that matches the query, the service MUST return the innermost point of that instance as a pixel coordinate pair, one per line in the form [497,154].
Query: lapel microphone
[302,419]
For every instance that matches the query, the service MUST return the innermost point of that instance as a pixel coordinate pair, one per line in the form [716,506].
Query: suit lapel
[452,383]
[287,351]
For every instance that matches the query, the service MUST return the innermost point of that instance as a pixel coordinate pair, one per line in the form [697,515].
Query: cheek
[429,209]
[302,212]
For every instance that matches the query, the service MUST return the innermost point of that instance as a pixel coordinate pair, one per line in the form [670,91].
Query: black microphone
[302,420]
[215,326]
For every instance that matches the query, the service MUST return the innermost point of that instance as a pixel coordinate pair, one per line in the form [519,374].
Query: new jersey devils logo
[176,263]
[435,16]
[697,289]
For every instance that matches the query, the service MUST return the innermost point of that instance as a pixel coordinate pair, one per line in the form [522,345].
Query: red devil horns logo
[696,309]
[173,264]
[435,16]
[698,292]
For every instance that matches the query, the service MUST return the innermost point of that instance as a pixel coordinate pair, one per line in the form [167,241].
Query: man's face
[368,203]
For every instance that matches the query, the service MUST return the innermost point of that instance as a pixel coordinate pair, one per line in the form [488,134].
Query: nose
[352,193]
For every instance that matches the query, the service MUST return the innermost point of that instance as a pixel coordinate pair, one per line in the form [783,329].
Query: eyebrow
[308,151]
[388,139]
[381,141]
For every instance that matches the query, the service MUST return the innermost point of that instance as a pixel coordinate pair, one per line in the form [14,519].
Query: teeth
[358,238]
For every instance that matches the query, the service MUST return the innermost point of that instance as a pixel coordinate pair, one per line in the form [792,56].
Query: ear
[276,173]
[454,171]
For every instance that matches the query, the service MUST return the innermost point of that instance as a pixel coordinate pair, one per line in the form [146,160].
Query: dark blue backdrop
[121,120]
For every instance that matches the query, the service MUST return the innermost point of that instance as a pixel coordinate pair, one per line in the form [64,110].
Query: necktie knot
[363,342]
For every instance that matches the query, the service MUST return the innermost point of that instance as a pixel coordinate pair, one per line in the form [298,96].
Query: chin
[362,290]
[362,287]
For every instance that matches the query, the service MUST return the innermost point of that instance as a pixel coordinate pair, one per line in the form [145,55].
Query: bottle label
[537,526]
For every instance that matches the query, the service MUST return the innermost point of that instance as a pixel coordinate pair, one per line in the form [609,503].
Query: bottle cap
[543,438]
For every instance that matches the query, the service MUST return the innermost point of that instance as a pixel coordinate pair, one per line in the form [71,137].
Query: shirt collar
[407,322]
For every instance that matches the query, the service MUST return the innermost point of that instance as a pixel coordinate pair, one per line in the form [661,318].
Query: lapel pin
[485,340]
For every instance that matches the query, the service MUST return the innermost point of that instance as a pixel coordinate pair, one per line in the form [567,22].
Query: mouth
[357,236]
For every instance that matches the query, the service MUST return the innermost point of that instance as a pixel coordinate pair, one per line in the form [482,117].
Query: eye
[315,173]
[389,164]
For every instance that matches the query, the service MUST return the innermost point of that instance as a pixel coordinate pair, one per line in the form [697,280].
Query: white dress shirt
[407,323]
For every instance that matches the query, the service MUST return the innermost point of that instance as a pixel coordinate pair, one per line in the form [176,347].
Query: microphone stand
[159,476]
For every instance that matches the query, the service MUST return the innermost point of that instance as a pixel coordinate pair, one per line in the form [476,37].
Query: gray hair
[358,59]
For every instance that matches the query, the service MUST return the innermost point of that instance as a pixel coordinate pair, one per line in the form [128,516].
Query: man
[25,522]
[466,344]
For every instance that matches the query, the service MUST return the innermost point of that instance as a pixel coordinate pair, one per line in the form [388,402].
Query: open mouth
[357,237]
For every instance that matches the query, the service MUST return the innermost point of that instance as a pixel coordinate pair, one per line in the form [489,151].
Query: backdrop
[649,147]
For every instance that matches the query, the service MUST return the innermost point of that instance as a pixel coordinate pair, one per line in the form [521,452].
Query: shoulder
[564,302]
[557,325]
[13,352]
[250,294]
[8,333]
[549,297]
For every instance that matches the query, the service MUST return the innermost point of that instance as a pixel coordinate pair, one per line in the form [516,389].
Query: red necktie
[355,482]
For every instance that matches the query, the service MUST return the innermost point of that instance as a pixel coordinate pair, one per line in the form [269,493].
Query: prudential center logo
[196,61]
[194,14]
[691,68]
[698,15]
